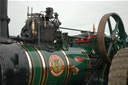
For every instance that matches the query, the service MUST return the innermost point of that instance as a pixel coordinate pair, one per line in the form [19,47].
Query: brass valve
[33,27]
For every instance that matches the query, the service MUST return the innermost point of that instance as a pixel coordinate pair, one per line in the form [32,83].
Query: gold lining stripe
[68,66]
[89,63]
[46,73]
[30,66]
[43,62]
[41,66]
[67,59]
[30,62]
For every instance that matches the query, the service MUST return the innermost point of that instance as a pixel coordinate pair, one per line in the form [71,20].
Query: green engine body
[58,67]
[61,67]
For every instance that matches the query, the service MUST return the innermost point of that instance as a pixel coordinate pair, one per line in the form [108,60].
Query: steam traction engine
[43,55]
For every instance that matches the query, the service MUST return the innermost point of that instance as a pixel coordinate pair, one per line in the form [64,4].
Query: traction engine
[43,55]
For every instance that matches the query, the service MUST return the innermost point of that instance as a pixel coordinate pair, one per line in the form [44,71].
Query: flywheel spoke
[109,49]
[116,28]
[110,26]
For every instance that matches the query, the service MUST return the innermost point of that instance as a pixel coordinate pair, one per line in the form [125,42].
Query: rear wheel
[118,73]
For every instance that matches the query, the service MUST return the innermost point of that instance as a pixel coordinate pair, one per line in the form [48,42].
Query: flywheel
[115,38]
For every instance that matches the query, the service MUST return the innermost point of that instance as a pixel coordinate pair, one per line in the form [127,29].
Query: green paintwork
[87,47]
[73,79]
[84,46]
[37,65]
[83,66]
[52,80]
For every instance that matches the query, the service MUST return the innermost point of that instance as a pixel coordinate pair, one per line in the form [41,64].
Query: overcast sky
[74,14]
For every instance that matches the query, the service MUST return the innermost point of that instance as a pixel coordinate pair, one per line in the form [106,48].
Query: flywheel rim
[100,35]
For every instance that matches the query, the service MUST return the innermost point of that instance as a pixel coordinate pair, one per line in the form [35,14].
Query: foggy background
[74,14]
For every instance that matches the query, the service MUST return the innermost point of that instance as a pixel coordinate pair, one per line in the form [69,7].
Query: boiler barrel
[26,65]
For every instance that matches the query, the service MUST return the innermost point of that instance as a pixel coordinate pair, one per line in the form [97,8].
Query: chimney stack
[4,20]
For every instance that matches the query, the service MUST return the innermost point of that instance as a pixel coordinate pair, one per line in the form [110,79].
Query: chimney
[4,20]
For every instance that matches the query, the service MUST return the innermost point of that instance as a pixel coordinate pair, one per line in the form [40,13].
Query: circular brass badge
[56,65]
